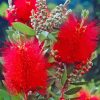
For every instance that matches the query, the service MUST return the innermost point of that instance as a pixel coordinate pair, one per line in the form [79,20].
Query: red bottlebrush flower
[61,99]
[95,98]
[76,41]
[22,11]
[83,95]
[25,68]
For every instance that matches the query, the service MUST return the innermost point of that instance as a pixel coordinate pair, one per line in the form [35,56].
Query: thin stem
[66,2]
[82,23]
[25,97]
[65,87]
[10,2]
[11,6]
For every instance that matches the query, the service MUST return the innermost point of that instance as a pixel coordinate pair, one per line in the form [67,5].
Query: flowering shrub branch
[47,52]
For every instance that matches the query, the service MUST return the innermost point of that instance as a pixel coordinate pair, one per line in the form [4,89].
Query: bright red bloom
[95,98]
[25,68]
[85,95]
[62,98]
[76,42]
[22,11]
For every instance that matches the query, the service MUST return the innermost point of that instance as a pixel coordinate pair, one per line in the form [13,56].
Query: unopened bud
[85,14]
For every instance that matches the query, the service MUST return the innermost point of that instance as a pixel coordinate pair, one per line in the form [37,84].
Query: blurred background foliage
[76,5]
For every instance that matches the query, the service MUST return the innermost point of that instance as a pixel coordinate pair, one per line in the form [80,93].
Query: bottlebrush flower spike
[85,95]
[95,98]
[76,41]
[25,68]
[21,11]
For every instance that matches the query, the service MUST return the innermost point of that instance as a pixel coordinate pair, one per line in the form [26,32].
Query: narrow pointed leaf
[73,91]
[79,83]
[64,76]
[23,28]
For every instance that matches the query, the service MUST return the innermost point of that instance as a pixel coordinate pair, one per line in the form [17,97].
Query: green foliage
[43,35]
[64,76]
[79,83]
[51,6]
[73,91]
[28,31]
[13,35]
[85,14]
[52,37]
[53,94]
[3,8]
[58,77]
[51,59]
[4,95]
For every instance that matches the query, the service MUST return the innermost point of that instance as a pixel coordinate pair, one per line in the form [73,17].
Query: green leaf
[64,76]
[51,98]
[79,83]
[52,93]
[43,35]
[13,35]
[3,8]
[98,50]
[73,91]
[1,60]
[51,72]
[4,95]
[23,28]
[16,37]
[77,98]
[51,37]
[10,33]
[94,90]
[94,55]
[15,98]
[51,59]
[51,6]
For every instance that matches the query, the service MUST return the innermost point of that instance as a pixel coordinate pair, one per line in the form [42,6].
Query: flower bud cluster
[11,6]
[57,17]
[44,20]
[39,17]
[80,70]
[11,11]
